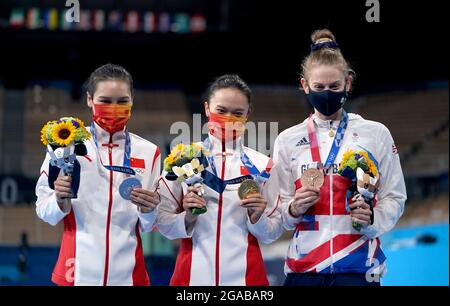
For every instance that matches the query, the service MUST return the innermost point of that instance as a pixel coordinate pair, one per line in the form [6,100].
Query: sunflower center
[64,134]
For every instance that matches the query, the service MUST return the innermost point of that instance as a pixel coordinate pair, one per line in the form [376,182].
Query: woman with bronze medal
[342,185]
[101,242]
[222,222]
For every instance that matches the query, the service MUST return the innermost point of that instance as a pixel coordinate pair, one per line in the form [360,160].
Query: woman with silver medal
[116,196]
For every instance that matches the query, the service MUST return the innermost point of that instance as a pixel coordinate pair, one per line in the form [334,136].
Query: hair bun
[322,35]
[323,38]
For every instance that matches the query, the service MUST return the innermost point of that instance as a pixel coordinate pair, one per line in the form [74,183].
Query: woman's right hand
[63,190]
[192,200]
[304,198]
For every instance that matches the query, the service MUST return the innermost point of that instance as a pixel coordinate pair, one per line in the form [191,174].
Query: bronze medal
[248,187]
[312,178]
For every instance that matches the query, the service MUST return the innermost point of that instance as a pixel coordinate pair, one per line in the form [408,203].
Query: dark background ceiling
[263,41]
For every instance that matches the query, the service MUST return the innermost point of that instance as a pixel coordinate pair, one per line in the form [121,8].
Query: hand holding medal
[144,199]
[250,194]
[308,195]
[247,188]
[312,178]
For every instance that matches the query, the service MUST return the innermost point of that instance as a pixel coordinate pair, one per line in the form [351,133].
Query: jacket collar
[231,147]
[103,136]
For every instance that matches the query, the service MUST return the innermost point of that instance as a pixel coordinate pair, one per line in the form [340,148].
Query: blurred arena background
[173,49]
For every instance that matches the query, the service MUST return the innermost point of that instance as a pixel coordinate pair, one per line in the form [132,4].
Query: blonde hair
[325,51]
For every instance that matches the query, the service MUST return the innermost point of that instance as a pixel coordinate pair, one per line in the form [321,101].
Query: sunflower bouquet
[362,171]
[183,165]
[63,138]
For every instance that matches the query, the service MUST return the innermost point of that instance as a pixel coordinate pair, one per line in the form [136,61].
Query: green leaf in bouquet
[199,211]
[362,163]
[182,161]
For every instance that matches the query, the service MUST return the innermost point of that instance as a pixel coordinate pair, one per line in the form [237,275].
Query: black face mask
[327,102]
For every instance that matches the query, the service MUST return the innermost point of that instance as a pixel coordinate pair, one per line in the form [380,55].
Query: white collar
[103,136]
[231,147]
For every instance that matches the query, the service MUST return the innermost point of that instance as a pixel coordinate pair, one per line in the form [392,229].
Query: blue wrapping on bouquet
[54,173]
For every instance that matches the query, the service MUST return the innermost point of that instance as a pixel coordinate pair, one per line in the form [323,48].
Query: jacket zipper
[108,220]
[219,217]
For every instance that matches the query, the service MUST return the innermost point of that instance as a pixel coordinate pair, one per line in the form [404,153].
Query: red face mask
[111,117]
[226,127]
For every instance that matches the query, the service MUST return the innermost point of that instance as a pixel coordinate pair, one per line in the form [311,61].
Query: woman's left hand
[256,205]
[145,200]
[360,212]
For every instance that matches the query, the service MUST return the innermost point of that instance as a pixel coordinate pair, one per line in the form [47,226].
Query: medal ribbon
[126,168]
[254,172]
[337,142]
[214,182]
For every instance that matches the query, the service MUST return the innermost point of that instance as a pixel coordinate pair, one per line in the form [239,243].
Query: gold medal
[331,133]
[248,187]
[312,178]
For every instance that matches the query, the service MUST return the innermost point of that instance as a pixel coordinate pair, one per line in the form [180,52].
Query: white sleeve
[171,219]
[47,208]
[286,185]
[391,196]
[147,221]
[269,227]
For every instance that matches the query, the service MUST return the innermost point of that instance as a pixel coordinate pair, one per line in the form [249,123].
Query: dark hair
[230,81]
[108,72]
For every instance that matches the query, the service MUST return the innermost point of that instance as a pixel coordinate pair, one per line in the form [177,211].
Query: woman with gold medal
[336,233]
[239,200]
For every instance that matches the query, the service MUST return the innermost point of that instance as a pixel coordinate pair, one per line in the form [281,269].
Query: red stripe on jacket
[64,271]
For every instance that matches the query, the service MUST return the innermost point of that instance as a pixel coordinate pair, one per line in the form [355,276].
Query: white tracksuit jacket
[101,244]
[324,240]
[222,246]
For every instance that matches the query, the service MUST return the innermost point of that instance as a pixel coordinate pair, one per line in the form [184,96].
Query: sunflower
[348,160]
[371,165]
[79,121]
[178,151]
[169,161]
[63,133]
[45,135]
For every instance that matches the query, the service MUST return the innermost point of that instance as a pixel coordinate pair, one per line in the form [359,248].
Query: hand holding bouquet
[362,171]
[184,164]
[64,140]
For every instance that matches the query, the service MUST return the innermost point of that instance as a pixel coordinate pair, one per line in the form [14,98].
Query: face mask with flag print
[112,117]
[226,127]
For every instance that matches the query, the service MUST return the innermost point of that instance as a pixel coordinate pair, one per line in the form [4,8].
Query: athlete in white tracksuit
[337,234]
[101,242]
[221,246]
[311,249]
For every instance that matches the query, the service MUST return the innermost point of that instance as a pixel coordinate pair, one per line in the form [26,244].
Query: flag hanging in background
[33,20]
[98,20]
[164,23]
[114,21]
[149,23]
[198,23]
[181,23]
[85,21]
[52,19]
[45,18]
[132,22]
[17,18]
[64,24]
